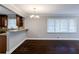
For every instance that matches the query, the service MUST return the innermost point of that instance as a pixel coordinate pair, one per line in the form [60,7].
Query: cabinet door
[19,21]
[0,21]
[3,21]
[3,44]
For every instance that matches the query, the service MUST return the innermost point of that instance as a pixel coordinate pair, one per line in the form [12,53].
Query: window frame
[68,24]
[14,24]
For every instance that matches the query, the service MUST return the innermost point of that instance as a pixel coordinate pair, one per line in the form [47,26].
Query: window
[61,25]
[12,24]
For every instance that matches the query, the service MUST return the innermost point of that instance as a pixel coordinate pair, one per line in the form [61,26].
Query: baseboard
[9,52]
[52,38]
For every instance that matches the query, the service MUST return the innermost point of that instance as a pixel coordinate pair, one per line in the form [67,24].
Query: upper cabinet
[19,21]
[3,21]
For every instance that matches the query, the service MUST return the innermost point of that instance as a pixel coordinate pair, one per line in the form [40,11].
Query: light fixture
[34,15]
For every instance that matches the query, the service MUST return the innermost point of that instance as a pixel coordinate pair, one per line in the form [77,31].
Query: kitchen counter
[18,30]
[3,33]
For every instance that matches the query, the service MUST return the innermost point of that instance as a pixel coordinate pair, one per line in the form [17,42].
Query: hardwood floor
[48,47]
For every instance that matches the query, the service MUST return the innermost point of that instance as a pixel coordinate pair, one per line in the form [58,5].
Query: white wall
[14,38]
[38,29]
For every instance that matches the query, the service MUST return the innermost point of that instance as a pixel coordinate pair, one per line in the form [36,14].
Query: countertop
[3,33]
[18,30]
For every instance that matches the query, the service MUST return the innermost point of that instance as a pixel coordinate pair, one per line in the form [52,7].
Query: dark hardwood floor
[48,47]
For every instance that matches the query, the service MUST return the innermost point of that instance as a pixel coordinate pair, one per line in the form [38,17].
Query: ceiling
[48,9]
[4,10]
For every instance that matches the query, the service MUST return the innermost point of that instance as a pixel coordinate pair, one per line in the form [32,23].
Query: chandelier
[34,15]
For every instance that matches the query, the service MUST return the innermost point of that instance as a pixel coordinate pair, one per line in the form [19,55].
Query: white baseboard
[52,38]
[9,52]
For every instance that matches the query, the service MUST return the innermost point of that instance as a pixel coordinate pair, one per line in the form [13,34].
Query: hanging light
[37,16]
[34,15]
[31,16]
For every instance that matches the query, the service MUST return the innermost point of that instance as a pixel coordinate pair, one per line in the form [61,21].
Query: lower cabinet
[3,44]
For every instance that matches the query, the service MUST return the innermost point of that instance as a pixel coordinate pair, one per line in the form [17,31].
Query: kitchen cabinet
[19,21]
[3,44]
[3,21]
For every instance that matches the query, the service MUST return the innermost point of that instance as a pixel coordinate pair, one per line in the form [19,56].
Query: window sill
[61,32]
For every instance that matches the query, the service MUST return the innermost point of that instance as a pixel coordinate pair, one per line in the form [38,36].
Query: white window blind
[11,24]
[61,25]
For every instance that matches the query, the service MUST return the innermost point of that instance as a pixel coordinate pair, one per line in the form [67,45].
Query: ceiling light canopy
[34,15]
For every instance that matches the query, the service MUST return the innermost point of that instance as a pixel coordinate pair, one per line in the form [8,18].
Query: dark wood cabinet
[3,43]
[19,21]
[3,20]
[0,21]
